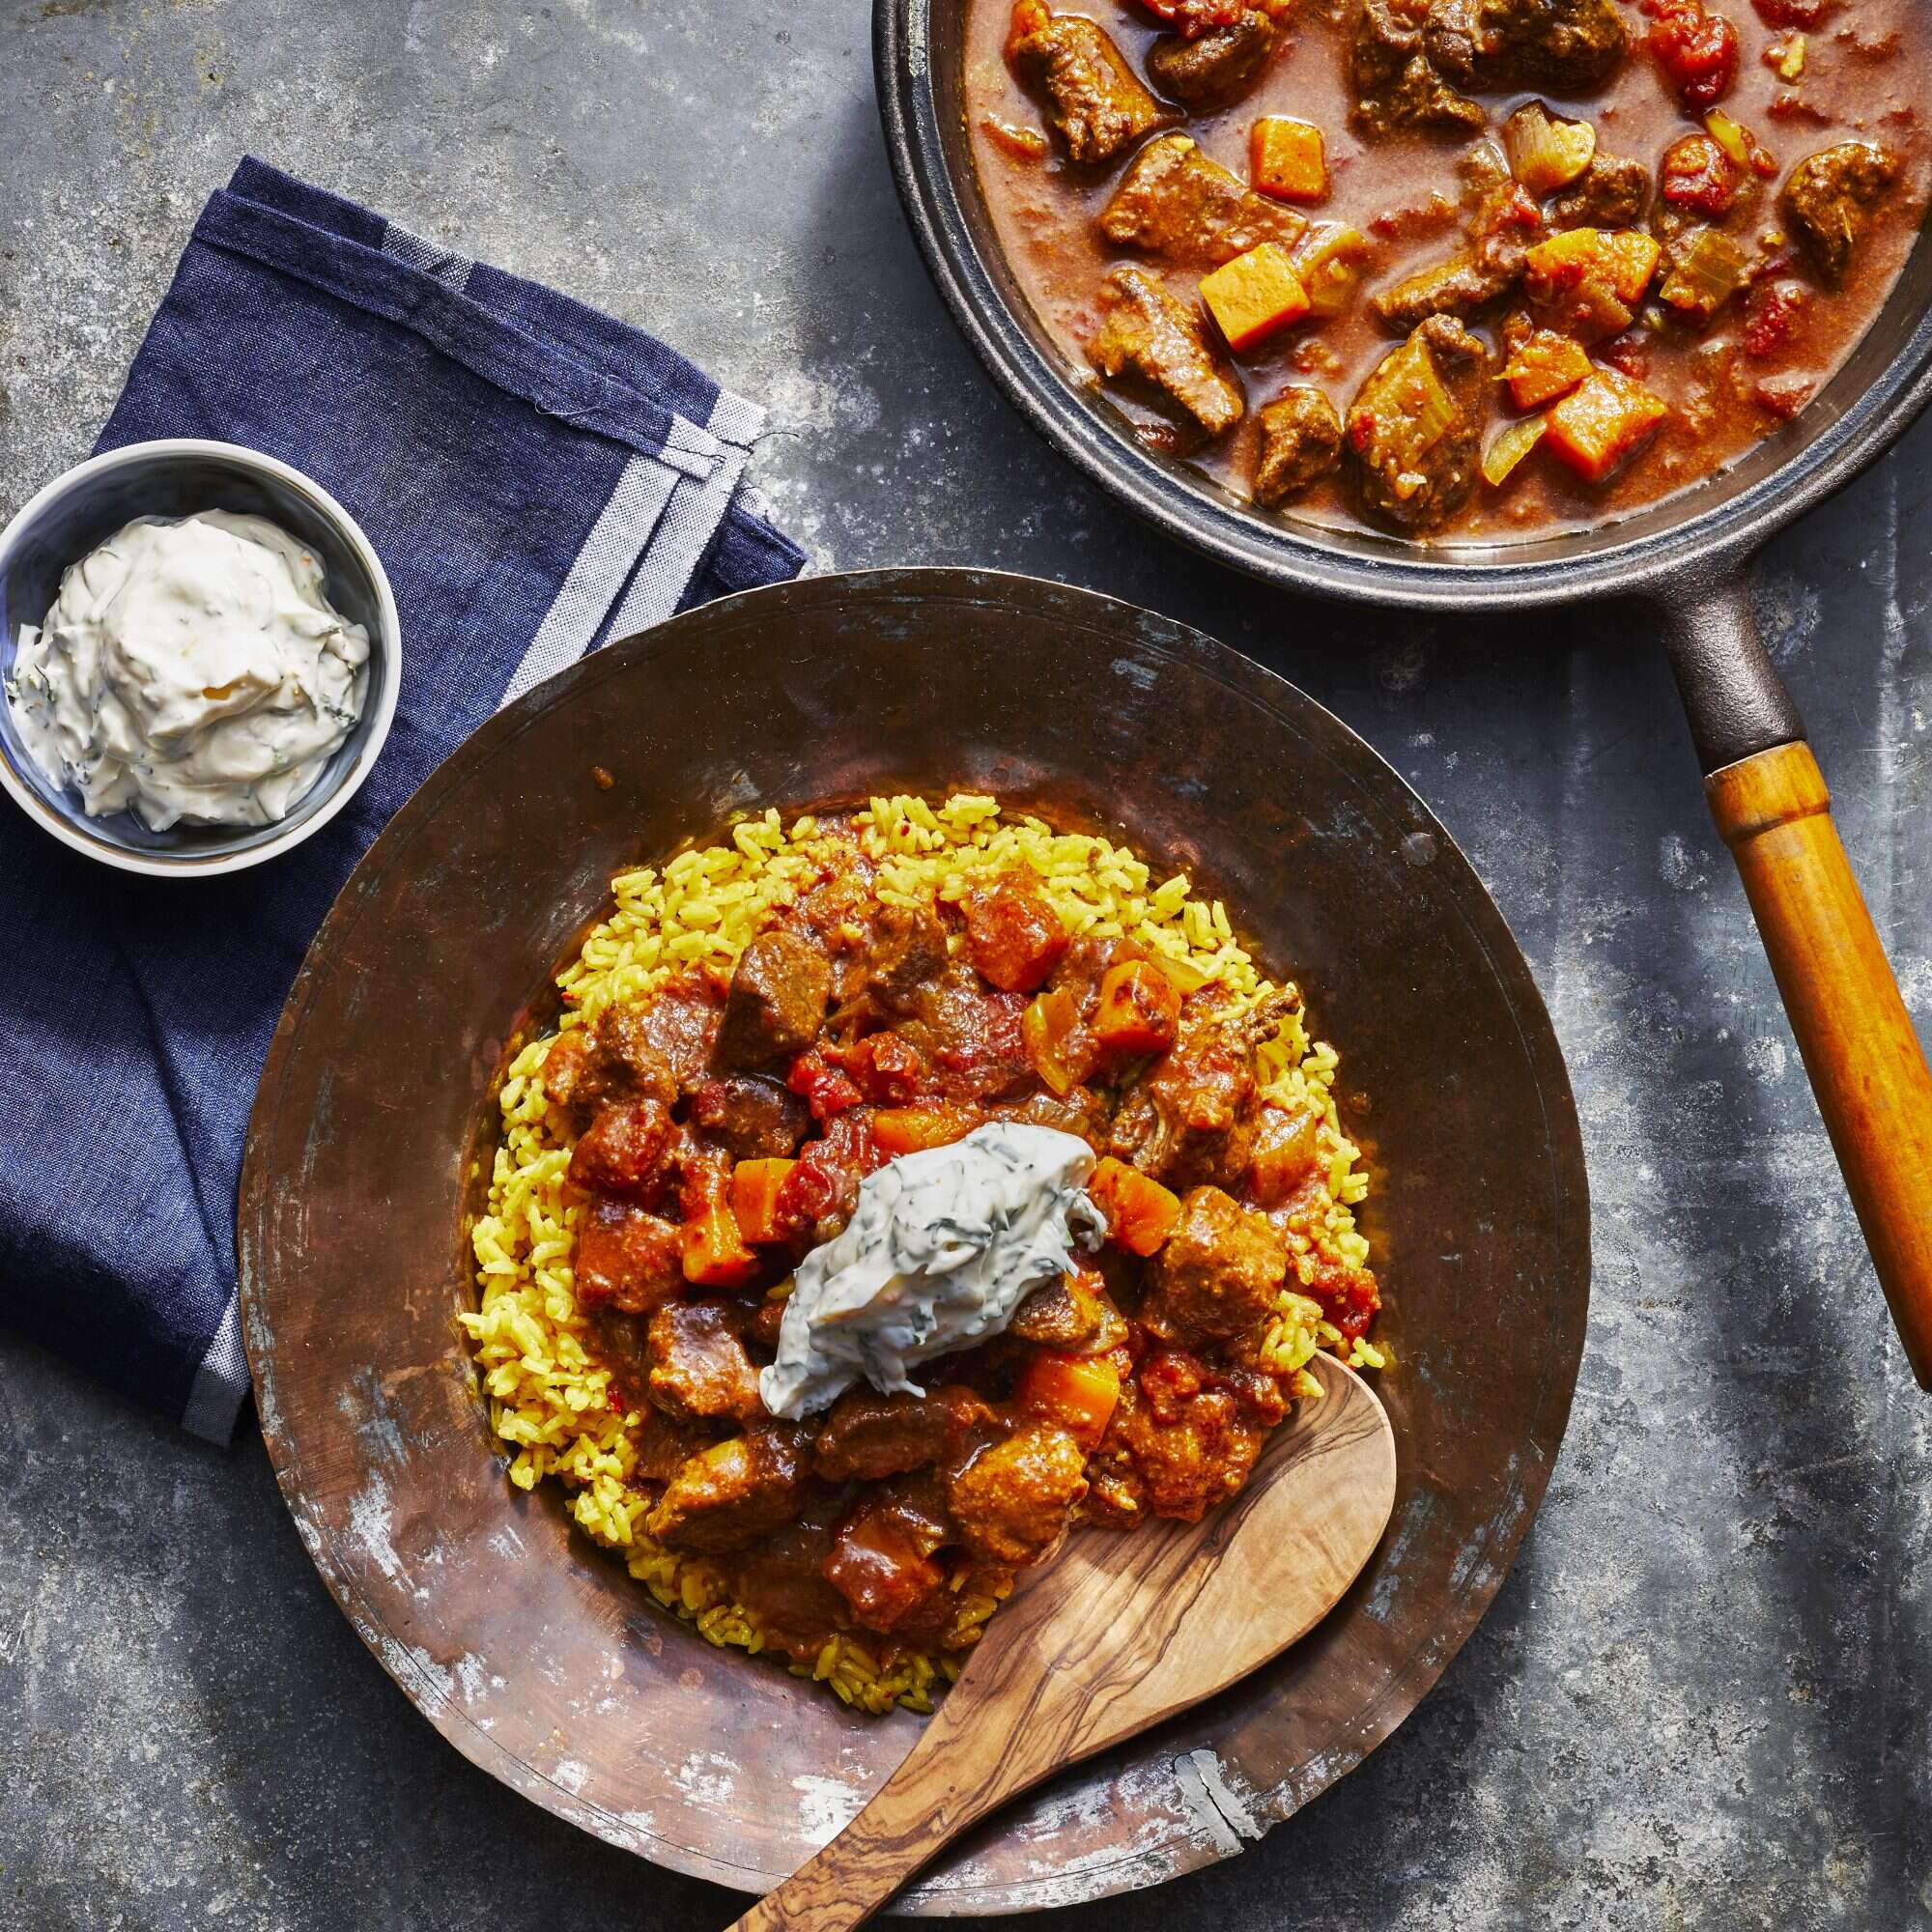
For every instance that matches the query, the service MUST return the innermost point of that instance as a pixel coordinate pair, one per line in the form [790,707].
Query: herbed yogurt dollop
[940,1252]
[190,670]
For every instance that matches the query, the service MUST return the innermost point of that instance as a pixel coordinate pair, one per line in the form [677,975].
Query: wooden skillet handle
[1866,1066]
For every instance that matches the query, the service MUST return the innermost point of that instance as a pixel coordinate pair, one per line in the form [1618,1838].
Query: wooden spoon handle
[949,1780]
[1866,1066]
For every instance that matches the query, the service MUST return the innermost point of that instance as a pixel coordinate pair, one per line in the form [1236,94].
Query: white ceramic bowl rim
[380,705]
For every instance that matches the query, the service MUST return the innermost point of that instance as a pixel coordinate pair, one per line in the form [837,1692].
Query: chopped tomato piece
[885,1066]
[1349,1296]
[1079,1392]
[1696,50]
[1138,1011]
[1141,1213]
[898,1130]
[1255,294]
[1595,427]
[1547,367]
[1285,159]
[715,1255]
[1013,935]
[823,1087]
[1771,314]
[1193,17]
[1699,175]
[755,1198]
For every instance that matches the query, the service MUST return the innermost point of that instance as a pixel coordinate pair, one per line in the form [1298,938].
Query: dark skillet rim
[1690,547]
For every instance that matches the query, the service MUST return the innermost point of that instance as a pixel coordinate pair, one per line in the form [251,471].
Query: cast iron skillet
[536,1655]
[1683,565]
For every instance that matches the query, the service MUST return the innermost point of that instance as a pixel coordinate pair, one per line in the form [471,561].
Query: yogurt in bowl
[199,654]
[192,669]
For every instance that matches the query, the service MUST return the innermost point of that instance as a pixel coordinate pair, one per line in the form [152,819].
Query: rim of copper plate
[371,1112]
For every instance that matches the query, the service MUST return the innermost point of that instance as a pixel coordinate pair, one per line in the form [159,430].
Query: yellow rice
[549,1399]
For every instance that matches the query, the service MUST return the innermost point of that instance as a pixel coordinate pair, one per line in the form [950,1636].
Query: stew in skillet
[1458,268]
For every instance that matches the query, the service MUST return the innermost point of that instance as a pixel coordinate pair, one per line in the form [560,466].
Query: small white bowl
[181,477]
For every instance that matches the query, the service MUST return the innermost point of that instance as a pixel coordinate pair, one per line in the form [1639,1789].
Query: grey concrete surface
[1701,1700]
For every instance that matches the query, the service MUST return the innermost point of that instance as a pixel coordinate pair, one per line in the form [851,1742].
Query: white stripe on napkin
[631,519]
[219,1383]
[690,520]
[448,267]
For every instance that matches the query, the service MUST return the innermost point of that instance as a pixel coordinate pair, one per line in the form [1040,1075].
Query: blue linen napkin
[536,477]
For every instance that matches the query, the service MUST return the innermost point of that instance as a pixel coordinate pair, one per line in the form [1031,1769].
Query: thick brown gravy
[1865,72]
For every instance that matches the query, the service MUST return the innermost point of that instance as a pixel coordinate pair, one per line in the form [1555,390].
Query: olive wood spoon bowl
[1111,1635]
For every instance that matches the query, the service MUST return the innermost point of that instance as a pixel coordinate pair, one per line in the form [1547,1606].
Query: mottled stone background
[1700,1702]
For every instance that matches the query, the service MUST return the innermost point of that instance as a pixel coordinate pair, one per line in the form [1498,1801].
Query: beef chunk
[905,951]
[1503,226]
[623,1150]
[664,1446]
[1192,1119]
[626,1259]
[1176,203]
[1096,99]
[1563,46]
[1013,936]
[776,1003]
[1414,427]
[785,1575]
[1829,198]
[1216,1276]
[969,1037]
[1013,1500]
[1611,192]
[1416,61]
[881,1562]
[868,1435]
[1459,287]
[698,1369]
[735,1492]
[1186,1445]
[754,1117]
[1301,439]
[1216,69]
[670,1034]
[1163,347]
[1072,1315]
[1396,80]
[615,1057]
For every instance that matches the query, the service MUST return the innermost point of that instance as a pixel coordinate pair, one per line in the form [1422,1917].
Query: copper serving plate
[533,1653]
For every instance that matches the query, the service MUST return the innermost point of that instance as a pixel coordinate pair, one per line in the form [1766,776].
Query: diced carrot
[715,1255]
[898,1130]
[1547,367]
[1141,1213]
[1623,258]
[1013,935]
[1594,428]
[1285,159]
[1079,1392]
[755,1198]
[1050,1031]
[1029,17]
[1255,294]
[1138,1011]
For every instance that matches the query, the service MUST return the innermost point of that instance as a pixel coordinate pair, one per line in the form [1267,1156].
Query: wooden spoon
[1112,1635]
